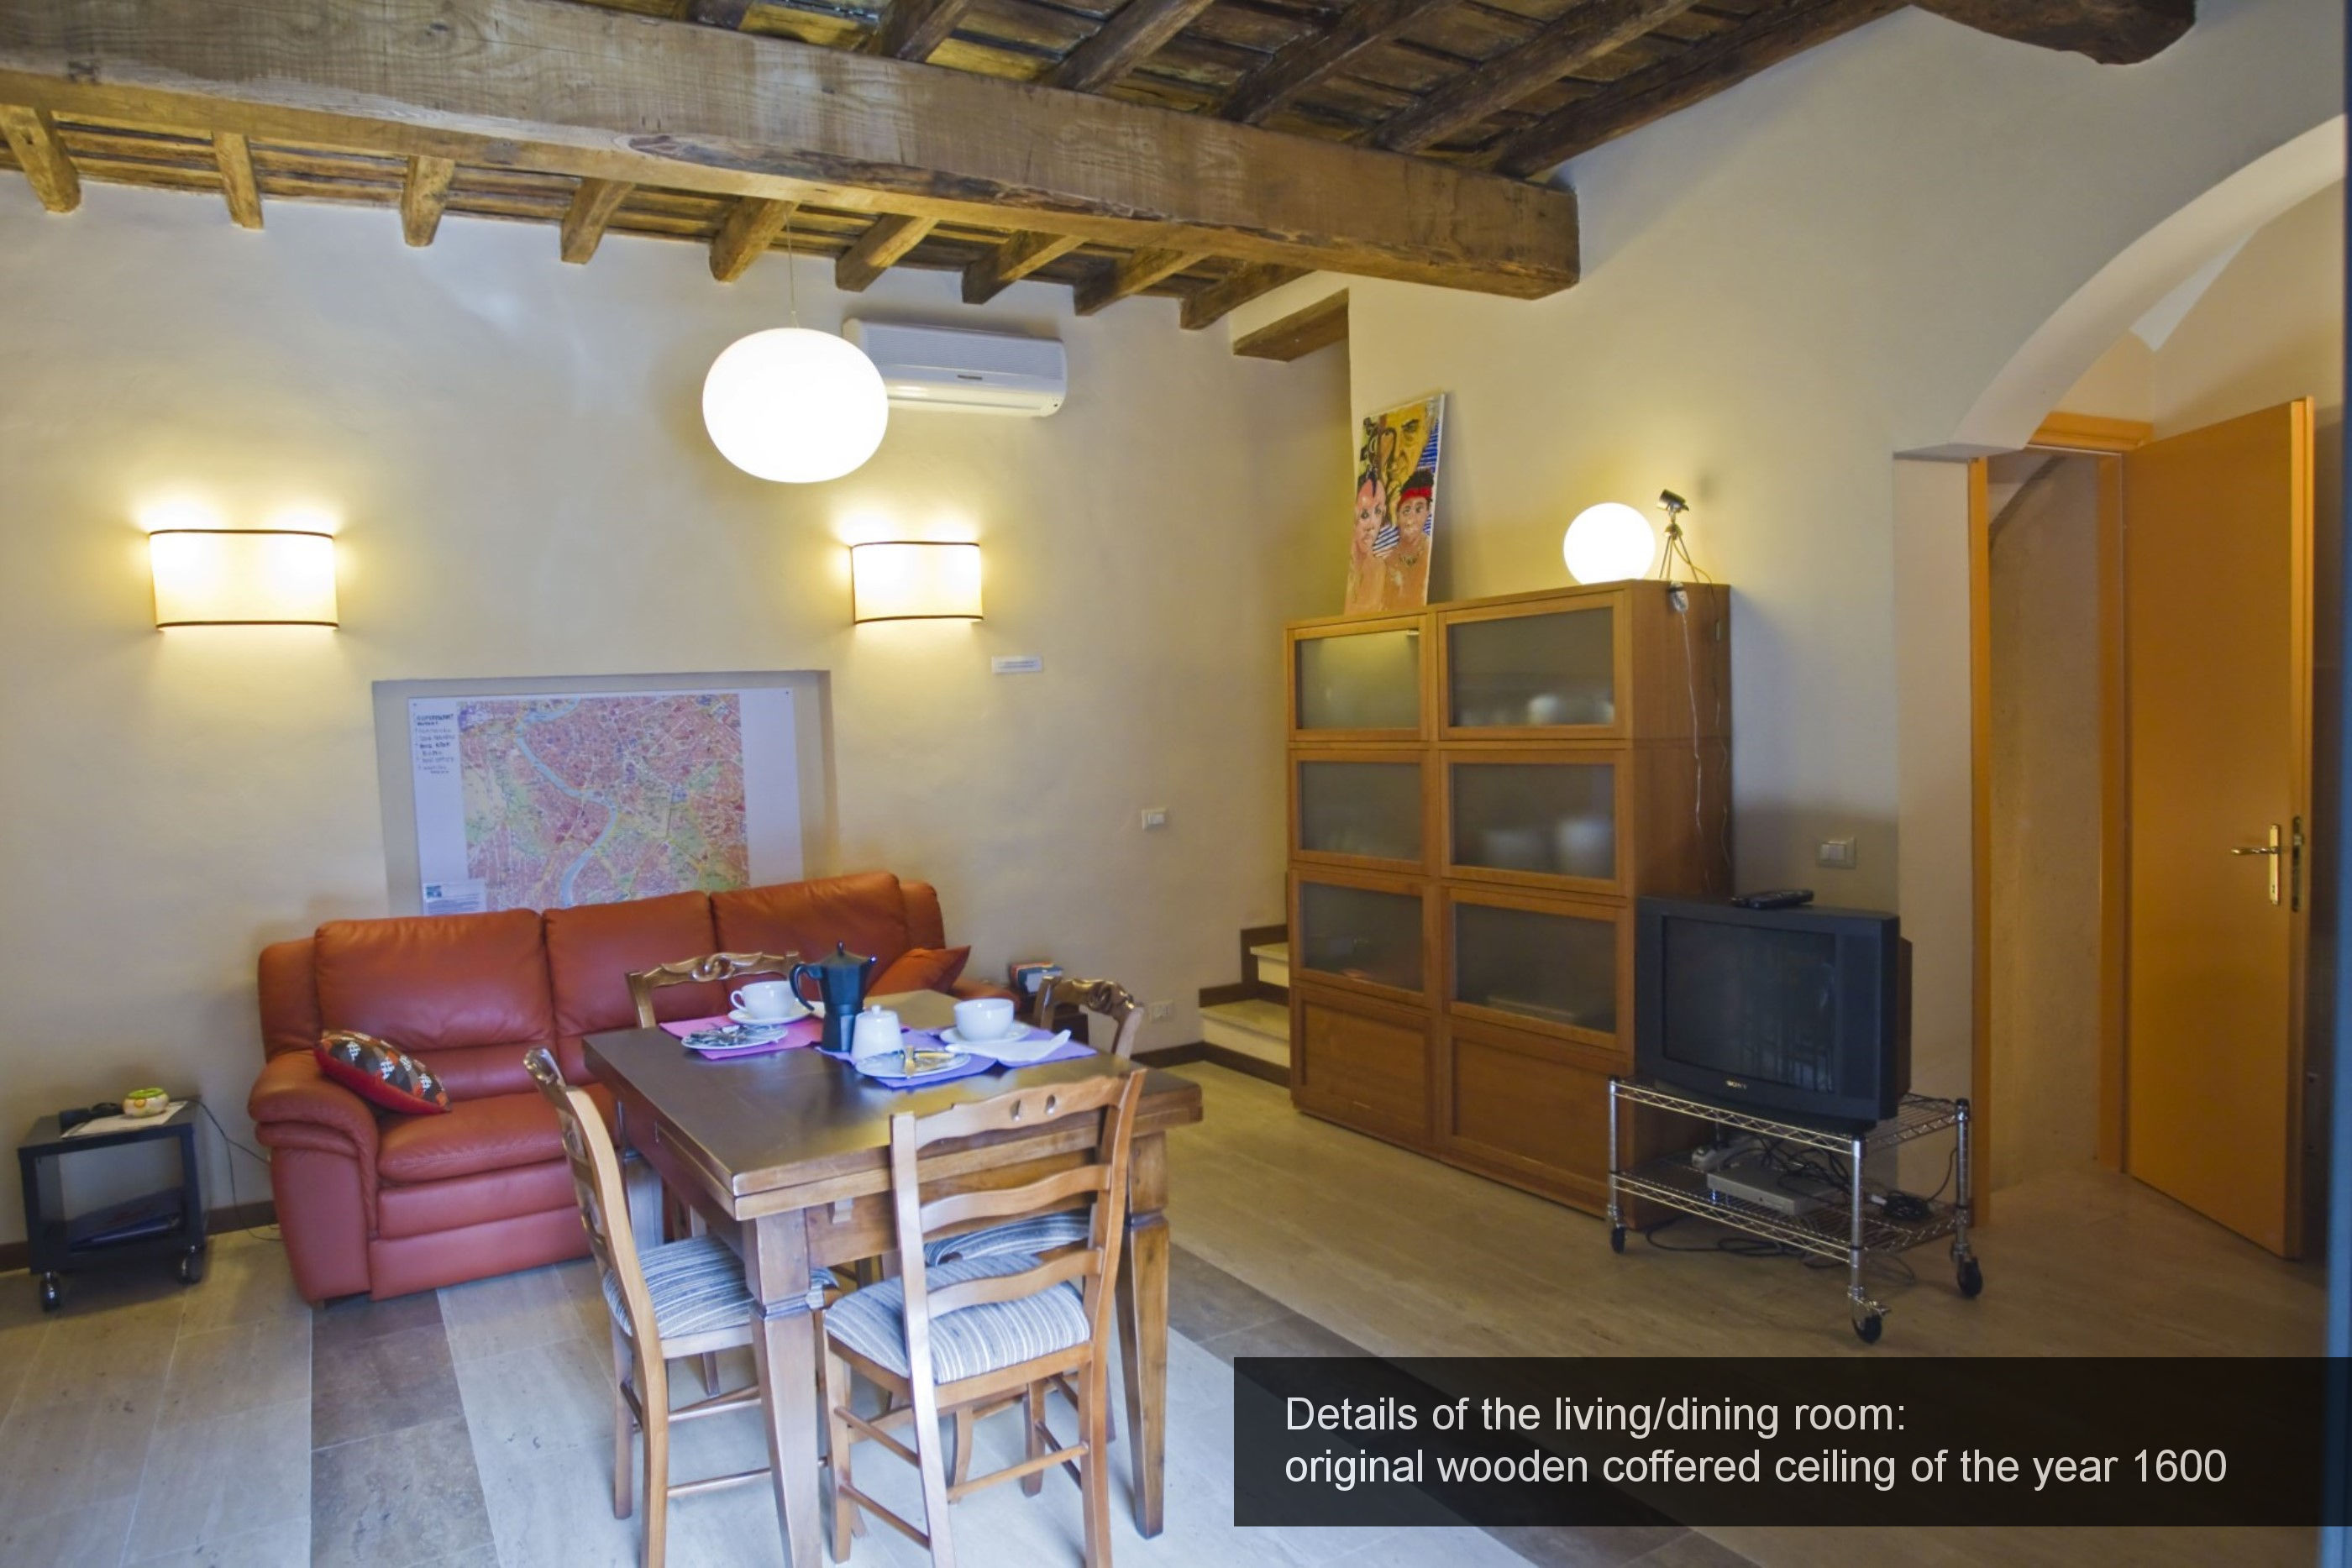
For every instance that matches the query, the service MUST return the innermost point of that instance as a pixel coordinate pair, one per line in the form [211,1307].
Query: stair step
[1259,1029]
[1273,962]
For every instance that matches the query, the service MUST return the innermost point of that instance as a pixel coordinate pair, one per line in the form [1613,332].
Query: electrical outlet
[1837,853]
[1154,816]
[1162,1011]
[1015,664]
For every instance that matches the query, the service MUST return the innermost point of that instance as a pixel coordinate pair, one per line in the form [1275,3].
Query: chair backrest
[1107,999]
[596,1181]
[718,968]
[1110,1099]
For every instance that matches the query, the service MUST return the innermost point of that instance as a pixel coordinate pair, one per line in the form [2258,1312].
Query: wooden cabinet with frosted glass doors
[1479,793]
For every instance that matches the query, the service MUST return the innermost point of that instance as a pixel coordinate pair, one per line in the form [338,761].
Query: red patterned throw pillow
[381,1072]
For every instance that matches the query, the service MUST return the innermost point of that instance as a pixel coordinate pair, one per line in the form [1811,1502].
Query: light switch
[1835,852]
[1015,664]
[1154,816]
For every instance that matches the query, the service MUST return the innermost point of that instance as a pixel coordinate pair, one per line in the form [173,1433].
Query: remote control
[1777,898]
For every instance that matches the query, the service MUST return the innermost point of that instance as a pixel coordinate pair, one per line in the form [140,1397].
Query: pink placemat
[803,1032]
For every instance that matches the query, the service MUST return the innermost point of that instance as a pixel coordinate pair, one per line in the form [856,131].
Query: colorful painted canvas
[1396,508]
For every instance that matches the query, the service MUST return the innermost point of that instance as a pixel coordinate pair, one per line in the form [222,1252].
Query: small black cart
[169,1223]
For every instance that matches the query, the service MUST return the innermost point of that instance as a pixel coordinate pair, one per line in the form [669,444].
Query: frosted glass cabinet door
[1367,934]
[1549,967]
[1359,682]
[1361,809]
[1554,670]
[1554,818]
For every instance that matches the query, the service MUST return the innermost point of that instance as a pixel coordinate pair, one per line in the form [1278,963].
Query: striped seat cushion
[697,1285]
[964,1344]
[1038,1233]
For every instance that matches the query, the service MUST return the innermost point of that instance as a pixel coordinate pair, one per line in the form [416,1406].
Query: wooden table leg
[776,1266]
[1143,1329]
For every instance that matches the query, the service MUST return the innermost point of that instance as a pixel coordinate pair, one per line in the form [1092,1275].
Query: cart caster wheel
[1616,1238]
[1868,1327]
[51,1296]
[191,1266]
[1972,1278]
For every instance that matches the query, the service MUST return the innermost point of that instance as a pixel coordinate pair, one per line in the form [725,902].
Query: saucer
[739,1016]
[948,1036]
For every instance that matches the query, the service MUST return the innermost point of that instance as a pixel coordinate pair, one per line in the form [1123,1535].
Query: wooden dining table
[787,1157]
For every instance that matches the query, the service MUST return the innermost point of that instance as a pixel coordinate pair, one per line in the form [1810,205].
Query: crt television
[1805,1011]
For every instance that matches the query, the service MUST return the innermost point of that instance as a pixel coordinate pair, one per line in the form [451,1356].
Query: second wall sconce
[243,577]
[914,579]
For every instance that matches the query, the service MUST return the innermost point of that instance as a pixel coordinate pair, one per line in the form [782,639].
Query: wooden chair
[711,968]
[939,1339]
[1107,999]
[681,1298]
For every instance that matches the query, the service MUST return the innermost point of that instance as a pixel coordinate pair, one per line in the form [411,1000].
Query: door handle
[2272,851]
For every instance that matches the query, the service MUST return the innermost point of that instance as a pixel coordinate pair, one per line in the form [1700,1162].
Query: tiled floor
[228,1424]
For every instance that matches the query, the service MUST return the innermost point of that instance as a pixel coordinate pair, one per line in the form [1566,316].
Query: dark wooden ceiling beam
[1700,72]
[1300,64]
[423,195]
[728,14]
[2111,32]
[1130,274]
[750,227]
[1011,262]
[911,30]
[232,156]
[592,206]
[551,87]
[32,136]
[1206,307]
[1581,35]
[1301,334]
[1133,35]
[878,249]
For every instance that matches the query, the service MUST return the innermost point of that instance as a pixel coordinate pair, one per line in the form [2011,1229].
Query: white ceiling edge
[2167,313]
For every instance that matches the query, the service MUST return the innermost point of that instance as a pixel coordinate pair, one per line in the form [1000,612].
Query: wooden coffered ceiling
[1209,149]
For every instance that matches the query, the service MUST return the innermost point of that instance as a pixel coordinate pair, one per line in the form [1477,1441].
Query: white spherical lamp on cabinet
[795,406]
[1609,543]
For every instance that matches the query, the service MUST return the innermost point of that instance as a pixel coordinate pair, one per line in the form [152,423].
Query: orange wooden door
[2218,598]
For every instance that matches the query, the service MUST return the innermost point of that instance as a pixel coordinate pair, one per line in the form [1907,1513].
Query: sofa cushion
[495,1133]
[921,969]
[863,910]
[381,1074]
[591,950]
[420,1208]
[435,984]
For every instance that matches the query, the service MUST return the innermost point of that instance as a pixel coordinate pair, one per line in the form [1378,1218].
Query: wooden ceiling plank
[558,88]
[1700,72]
[1130,274]
[423,196]
[1301,334]
[751,226]
[1011,262]
[1581,34]
[32,136]
[233,156]
[911,30]
[1318,54]
[879,249]
[1209,306]
[584,222]
[1132,36]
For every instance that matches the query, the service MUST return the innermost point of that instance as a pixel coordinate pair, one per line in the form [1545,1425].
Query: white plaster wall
[514,452]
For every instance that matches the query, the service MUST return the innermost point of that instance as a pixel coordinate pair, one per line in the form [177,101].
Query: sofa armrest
[969,990]
[291,1088]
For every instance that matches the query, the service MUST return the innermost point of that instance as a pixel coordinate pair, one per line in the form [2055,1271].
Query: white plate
[890,1063]
[739,1016]
[948,1036]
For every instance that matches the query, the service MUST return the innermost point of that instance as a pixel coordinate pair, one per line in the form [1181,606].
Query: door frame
[2105,439]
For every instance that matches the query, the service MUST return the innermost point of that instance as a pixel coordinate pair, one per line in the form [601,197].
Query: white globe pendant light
[1608,543]
[795,406]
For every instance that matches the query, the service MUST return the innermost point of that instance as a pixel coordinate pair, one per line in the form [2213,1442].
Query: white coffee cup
[769,1001]
[875,1032]
[984,1018]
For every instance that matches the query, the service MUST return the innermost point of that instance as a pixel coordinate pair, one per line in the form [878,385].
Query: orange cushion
[494,1134]
[863,910]
[922,969]
[437,982]
[592,948]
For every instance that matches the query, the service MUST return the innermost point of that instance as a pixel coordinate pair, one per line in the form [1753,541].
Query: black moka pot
[840,992]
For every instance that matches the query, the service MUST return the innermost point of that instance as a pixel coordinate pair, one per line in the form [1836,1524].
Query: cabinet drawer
[1363,1064]
[1528,1108]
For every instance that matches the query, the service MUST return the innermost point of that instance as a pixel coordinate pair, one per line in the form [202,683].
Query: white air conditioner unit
[977,372]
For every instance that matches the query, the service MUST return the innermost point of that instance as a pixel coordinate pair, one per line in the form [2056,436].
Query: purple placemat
[1070,1050]
[803,1032]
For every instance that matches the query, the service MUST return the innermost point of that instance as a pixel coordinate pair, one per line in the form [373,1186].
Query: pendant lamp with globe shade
[795,406]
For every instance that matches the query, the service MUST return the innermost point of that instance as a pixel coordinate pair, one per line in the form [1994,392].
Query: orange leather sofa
[383,1203]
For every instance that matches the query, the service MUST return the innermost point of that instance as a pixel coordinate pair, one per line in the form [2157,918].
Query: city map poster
[543,800]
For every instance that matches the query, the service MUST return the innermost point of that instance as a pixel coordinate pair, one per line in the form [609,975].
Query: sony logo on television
[1733,1083]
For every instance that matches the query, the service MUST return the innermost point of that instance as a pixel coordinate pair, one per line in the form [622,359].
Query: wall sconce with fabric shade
[243,577]
[913,579]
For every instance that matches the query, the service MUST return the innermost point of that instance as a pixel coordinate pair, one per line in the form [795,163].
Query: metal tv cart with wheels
[1850,1230]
